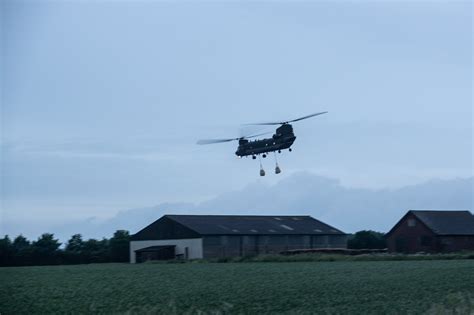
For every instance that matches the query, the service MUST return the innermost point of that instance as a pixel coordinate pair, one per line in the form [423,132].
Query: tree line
[46,250]
[367,239]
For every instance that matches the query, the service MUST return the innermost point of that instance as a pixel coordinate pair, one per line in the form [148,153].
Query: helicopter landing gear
[262,171]
[277,167]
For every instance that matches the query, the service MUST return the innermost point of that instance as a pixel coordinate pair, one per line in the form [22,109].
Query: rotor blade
[285,122]
[265,124]
[308,116]
[211,141]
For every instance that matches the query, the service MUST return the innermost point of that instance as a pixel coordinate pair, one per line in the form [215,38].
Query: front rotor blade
[308,116]
[211,141]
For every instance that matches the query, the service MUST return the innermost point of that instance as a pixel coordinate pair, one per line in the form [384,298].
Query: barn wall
[248,245]
[408,238]
[194,246]
[336,241]
[455,243]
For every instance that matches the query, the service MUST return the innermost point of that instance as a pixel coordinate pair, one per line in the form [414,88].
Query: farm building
[211,236]
[432,231]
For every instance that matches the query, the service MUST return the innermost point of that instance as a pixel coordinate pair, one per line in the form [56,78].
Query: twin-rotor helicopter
[282,139]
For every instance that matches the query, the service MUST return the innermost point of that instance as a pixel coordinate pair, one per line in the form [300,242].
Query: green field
[389,287]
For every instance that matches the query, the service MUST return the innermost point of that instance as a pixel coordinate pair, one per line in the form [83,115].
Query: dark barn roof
[444,222]
[253,224]
[195,226]
[447,222]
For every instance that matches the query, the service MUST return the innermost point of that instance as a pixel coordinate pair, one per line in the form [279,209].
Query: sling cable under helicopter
[282,139]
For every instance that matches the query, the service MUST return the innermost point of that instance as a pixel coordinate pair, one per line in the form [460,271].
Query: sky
[102,102]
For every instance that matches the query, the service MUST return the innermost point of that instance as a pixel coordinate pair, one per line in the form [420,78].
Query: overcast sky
[102,102]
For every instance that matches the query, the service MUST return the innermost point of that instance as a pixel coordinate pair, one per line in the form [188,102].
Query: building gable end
[404,219]
[165,228]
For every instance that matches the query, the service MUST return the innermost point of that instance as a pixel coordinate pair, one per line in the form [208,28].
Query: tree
[22,251]
[120,246]
[74,251]
[45,250]
[367,239]
[96,251]
[6,251]
[21,243]
[75,243]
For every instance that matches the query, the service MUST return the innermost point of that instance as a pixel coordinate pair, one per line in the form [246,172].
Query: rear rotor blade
[289,121]
[211,141]
[305,117]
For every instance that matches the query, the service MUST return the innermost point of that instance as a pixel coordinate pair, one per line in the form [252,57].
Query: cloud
[349,209]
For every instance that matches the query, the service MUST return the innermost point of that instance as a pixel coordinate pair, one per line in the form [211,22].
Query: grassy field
[389,287]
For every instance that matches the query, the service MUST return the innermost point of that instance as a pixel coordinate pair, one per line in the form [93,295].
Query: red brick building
[432,231]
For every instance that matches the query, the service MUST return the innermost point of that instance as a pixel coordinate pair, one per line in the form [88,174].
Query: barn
[432,231]
[212,236]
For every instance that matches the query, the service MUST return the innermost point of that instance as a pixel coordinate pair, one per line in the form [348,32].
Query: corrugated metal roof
[448,222]
[244,225]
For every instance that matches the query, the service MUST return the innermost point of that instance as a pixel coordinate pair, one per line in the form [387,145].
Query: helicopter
[282,139]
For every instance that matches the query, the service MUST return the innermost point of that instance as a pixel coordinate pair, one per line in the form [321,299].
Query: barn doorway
[151,253]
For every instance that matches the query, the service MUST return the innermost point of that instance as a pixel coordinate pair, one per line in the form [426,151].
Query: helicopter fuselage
[281,140]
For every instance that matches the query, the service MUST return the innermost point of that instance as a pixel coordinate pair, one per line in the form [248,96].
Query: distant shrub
[368,240]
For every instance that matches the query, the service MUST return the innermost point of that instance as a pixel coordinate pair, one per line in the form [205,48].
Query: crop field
[373,287]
